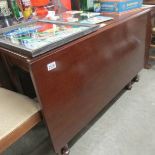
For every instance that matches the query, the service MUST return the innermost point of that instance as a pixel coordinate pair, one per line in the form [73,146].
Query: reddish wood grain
[88,76]
[90,72]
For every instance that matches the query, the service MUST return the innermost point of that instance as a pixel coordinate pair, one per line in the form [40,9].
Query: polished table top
[151,2]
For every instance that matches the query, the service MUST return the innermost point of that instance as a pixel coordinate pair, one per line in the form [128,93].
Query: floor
[126,128]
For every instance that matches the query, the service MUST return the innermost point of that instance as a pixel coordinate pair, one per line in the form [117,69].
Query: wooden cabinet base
[88,74]
[76,81]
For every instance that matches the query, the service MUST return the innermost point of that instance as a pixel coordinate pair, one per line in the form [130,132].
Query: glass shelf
[38,37]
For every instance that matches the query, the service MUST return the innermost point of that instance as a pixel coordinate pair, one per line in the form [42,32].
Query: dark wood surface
[4,79]
[90,72]
[149,2]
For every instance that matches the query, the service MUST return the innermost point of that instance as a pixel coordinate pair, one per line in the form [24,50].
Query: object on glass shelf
[96,20]
[87,5]
[6,21]
[120,6]
[4,9]
[75,16]
[61,6]
[25,7]
[5,14]
[40,9]
[97,6]
[15,9]
[50,6]
[75,4]
[66,4]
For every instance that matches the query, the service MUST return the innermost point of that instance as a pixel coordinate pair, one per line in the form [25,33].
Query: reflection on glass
[40,34]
